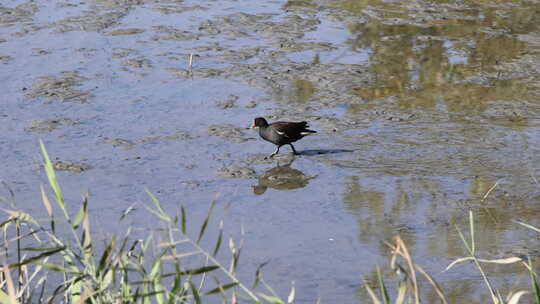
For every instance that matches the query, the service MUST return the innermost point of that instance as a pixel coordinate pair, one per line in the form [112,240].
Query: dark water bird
[282,132]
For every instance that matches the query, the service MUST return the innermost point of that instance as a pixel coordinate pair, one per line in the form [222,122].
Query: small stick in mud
[490,189]
[190,66]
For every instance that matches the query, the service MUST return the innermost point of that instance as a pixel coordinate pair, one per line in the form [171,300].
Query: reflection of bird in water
[282,178]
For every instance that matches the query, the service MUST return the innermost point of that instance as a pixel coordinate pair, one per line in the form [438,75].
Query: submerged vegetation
[41,264]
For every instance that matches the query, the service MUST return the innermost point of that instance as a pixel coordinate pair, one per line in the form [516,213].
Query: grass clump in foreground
[50,267]
[407,290]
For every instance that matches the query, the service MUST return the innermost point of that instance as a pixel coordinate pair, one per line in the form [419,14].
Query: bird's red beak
[253,125]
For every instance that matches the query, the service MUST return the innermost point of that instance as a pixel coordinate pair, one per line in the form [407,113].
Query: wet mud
[51,124]
[119,142]
[228,132]
[59,88]
[424,110]
[71,166]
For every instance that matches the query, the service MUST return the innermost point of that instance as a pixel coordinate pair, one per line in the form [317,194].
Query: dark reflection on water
[281,177]
[324,151]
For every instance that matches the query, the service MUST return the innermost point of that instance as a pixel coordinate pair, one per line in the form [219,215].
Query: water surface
[421,108]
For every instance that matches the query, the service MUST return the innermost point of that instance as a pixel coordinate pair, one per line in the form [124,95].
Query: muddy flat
[424,110]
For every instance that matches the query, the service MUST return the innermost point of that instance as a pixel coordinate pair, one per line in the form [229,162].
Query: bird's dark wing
[285,126]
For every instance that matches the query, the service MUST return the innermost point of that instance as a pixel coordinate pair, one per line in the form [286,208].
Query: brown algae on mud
[94,19]
[51,124]
[5,59]
[228,103]
[180,135]
[128,144]
[119,142]
[173,8]
[197,72]
[21,13]
[60,88]
[128,31]
[228,132]
[172,33]
[236,172]
[71,166]
[138,62]
[123,52]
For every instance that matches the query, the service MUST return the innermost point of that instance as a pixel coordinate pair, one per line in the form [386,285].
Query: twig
[190,65]
[489,191]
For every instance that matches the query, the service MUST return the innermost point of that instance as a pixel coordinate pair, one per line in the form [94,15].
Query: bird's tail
[305,130]
[308,132]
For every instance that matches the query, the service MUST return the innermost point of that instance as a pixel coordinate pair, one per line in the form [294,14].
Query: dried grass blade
[4,298]
[48,207]
[19,215]
[372,294]
[528,226]
[460,260]
[433,283]
[46,201]
[402,292]
[490,189]
[402,248]
[290,298]
[513,298]
[85,297]
[181,255]
[510,260]
[10,286]
[19,237]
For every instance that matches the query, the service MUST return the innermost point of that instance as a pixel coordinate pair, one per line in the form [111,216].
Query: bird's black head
[259,122]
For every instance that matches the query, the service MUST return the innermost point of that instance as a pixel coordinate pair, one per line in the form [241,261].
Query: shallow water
[421,108]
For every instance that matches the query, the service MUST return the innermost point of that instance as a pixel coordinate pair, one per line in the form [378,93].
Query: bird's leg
[275,152]
[294,150]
